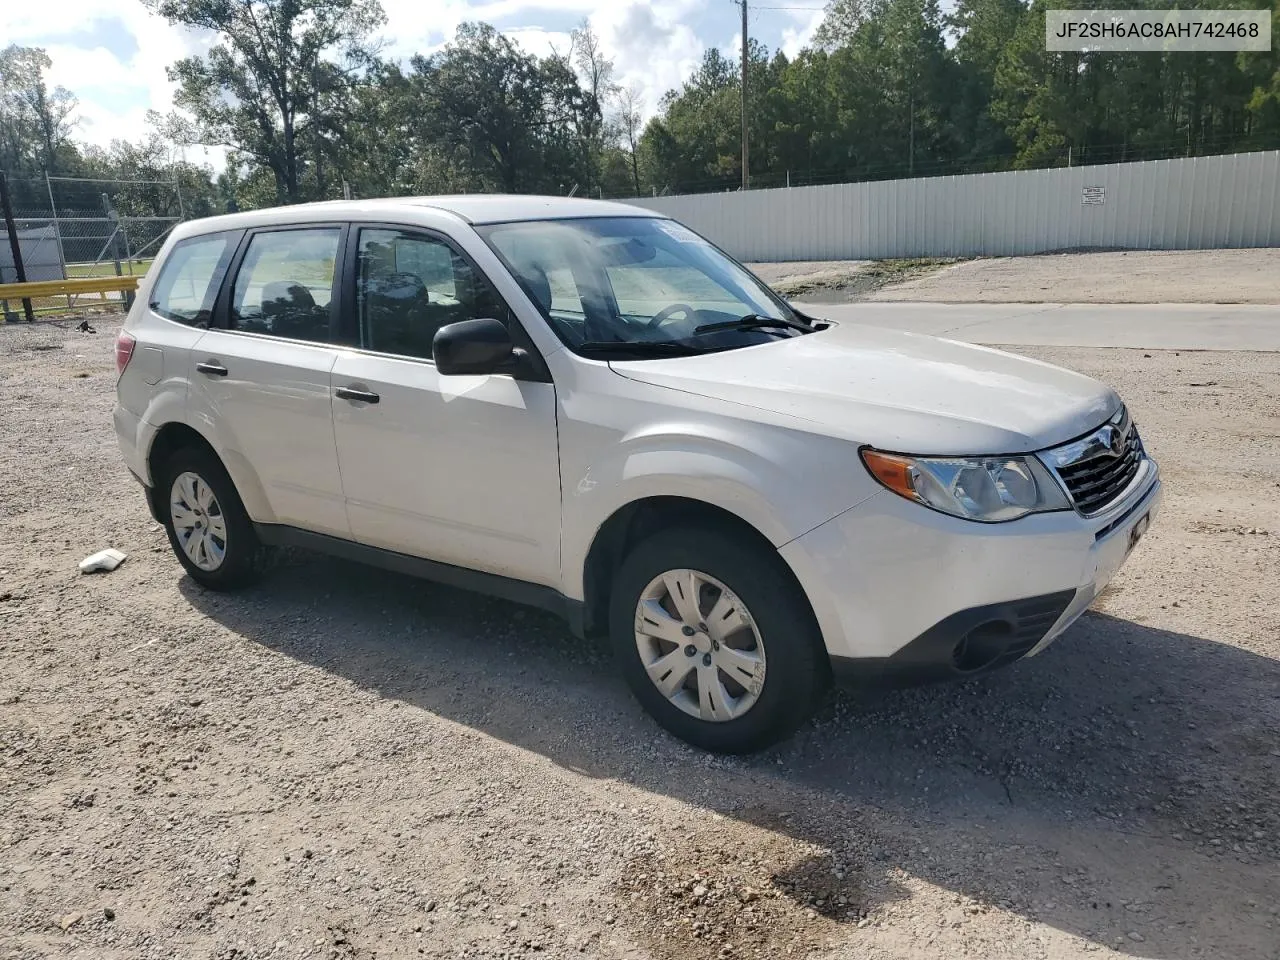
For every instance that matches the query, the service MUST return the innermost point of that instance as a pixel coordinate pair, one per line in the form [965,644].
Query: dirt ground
[344,763]
[1135,276]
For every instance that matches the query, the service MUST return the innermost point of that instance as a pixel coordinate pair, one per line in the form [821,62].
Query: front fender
[782,482]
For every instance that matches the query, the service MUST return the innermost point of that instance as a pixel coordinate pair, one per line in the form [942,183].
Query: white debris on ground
[104,560]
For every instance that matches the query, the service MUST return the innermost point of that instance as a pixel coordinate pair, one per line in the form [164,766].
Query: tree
[379,153]
[297,90]
[985,30]
[694,141]
[498,117]
[36,123]
[629,100]
[266,88]
[1040,97]
[841,21]
[596,72]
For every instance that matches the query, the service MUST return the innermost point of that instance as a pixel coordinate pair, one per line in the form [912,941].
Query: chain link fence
[70,227]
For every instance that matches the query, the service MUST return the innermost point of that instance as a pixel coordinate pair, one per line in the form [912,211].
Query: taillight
[124,350]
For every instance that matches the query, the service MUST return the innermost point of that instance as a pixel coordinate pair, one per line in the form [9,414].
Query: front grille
[1096,469]
[1095,483]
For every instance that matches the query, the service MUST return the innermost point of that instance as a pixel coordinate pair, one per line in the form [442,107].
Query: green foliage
[1102,108]
[498,118]
[276,84]
[298,90]
[36,127]
[882,94]
[35,122]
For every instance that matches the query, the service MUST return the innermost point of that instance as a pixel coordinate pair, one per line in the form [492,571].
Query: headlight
[986,489]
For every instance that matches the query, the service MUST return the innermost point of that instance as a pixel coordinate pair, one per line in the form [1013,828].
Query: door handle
[212,369]
[350,393]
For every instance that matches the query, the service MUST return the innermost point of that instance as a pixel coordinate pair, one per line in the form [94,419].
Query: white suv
[589,408]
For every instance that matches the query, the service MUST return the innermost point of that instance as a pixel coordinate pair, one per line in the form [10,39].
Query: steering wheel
[666,313]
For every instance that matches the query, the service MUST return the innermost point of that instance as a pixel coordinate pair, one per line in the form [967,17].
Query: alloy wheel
[700,645]
[198,521]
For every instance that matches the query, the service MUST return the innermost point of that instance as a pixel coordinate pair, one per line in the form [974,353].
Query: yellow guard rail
[72,286]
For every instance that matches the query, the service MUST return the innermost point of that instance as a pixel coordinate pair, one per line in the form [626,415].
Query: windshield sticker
[678,231]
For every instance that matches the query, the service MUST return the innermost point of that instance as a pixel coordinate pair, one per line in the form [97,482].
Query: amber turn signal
[893,471]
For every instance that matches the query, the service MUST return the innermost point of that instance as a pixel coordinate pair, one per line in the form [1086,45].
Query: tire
[791,657]
[220,511]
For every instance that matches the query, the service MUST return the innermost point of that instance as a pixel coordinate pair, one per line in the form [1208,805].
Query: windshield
[613,281]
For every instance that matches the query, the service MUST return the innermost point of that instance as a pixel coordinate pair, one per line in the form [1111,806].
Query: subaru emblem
[1116,442]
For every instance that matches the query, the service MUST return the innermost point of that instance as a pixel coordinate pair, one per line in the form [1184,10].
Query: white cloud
[796,38]
[114,92]
[654,46]
[420,26]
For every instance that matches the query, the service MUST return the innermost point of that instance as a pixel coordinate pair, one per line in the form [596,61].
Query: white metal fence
[1196,203]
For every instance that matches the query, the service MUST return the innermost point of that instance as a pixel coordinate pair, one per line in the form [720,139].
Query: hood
[902,392]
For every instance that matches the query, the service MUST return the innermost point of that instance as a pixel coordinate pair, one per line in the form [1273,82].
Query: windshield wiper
[753,321]
[653,348]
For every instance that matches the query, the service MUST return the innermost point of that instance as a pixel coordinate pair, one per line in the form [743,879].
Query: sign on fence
[1200,202]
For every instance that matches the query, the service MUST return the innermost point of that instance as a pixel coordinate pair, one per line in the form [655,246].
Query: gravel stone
[341,753]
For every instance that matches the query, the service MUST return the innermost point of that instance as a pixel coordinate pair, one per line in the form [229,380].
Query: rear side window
[285,284]
[190,277]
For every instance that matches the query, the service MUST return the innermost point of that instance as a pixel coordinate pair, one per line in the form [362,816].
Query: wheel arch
[639,519]
[177,435]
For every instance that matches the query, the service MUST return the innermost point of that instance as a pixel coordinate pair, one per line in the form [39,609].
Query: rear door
[260,384]
[459,469]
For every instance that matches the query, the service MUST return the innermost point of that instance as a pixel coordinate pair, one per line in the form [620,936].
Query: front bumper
[904,593]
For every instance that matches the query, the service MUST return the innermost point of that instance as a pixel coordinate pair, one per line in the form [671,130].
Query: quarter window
[285,284]
[190,277]
[410,285]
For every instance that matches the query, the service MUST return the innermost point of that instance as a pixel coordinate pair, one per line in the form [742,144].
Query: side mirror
[474,347]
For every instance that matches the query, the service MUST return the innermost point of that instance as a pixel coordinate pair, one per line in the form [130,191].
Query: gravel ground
[1134,276]
[345,763]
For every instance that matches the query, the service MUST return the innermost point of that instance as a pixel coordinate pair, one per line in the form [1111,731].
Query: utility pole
[746,173]
[19,268]
[911,148]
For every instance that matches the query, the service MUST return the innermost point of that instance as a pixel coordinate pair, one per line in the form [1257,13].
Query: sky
[112,55]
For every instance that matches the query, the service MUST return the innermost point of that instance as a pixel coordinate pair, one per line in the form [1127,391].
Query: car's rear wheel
[208,527]
[715,639]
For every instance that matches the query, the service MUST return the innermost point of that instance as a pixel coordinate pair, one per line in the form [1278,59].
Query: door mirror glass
[473,347]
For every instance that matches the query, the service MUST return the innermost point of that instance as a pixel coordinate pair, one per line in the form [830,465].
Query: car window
[189,278]
[409,285]
[285,283]
[643,288]
[637,280]
[549,273]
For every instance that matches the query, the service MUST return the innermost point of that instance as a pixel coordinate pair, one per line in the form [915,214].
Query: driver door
[458,469]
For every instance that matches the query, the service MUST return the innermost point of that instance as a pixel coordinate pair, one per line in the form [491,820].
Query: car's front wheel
[715,639]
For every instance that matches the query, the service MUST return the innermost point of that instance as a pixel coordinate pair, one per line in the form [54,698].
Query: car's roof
[499,208]
[472,208]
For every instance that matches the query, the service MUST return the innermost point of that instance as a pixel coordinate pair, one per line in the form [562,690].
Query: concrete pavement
[1158,326]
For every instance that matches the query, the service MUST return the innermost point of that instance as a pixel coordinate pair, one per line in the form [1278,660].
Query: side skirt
[490,584]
